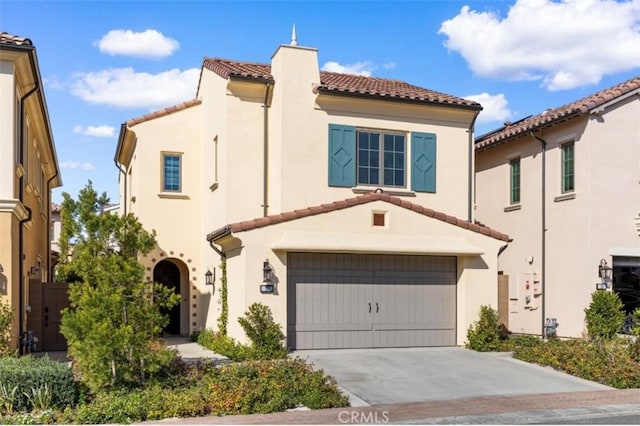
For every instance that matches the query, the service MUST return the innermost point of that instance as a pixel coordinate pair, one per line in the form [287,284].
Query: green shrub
[31,376]
[606,362]
[223,345]
[634,347]
[241,388]
[604,315]
[265,335]
[6,318]
[523,341]
[485,334]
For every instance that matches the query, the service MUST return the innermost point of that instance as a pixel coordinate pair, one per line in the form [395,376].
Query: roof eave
[261,80]
[532,129]
[332,92]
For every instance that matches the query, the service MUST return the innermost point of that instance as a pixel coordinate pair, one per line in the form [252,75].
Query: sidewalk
[544,408]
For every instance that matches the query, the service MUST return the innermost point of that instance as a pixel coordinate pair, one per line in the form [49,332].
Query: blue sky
[105,62]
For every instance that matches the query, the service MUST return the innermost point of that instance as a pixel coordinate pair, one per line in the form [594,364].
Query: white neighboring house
[565,185]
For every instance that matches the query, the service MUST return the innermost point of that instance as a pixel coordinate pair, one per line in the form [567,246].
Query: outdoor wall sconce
[267,278]
[209,277]
[604,272]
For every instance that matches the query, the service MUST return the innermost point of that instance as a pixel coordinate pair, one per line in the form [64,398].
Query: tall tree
[115,320]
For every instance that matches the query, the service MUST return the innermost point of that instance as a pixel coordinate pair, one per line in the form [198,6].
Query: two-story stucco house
[28,172]
[342,202]
[565,185]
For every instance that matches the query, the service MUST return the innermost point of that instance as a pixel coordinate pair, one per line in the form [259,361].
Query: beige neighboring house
[565,186]
[342,202]
[28,172]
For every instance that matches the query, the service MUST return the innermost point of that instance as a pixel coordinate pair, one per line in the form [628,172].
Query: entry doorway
[626,281]
[167,273]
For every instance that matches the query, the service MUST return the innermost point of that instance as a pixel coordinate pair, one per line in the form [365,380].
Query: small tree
[485,334]
[604,316]
[115,318]
[265,334]
[6,318]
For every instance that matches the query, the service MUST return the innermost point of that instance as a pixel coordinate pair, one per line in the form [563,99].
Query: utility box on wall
[530,289]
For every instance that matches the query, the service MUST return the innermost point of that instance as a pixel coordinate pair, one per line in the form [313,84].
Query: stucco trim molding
[338,242]
[176,196]
[565,197]
[625,251]
[15,207]
[392,192]
[512,208]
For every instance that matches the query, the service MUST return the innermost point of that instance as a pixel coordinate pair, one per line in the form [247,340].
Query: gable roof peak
[350,202]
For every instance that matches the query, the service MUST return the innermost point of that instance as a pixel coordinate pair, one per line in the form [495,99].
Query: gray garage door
[369,301]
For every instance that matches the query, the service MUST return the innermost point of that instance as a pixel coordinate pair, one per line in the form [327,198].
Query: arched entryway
[168,273]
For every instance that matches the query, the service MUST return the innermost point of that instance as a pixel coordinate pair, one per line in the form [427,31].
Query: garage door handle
[377,307]
[369,307]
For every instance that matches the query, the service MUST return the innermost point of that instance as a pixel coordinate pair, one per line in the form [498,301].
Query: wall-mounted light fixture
[604,272]
[267,278]
[210,277]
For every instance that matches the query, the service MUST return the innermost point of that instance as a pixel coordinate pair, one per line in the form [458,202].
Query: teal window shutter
[423,162]
[342,155]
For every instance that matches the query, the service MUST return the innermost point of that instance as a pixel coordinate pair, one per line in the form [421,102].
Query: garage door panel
[359,301]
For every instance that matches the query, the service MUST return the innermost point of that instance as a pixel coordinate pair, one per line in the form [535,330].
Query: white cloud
[147,44]
[389,65]
[52,83]
[564,44]
[77,165]
[126,88]
[359,68]
[97,131]
[494,107]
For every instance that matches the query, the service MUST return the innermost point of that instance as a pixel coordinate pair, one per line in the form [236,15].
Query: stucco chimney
[295,67]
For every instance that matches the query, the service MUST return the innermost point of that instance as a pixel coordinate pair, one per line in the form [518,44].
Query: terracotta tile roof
[348,84]
[14,40]
[227,68]
[350,202]
[555,115]
[163,112]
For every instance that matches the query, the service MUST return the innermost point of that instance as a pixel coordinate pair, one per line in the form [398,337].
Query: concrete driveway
[388,376]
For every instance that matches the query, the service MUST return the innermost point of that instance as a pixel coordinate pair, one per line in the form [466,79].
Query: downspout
[222,254]
[471,174]
[50,272]
[222,232]
[124,173]
[25,220]
[265,187]
[543,231]
[123,128]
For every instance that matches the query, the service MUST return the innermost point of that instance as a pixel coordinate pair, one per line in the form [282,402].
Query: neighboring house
[28,172]
[342,202]
[565,186]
